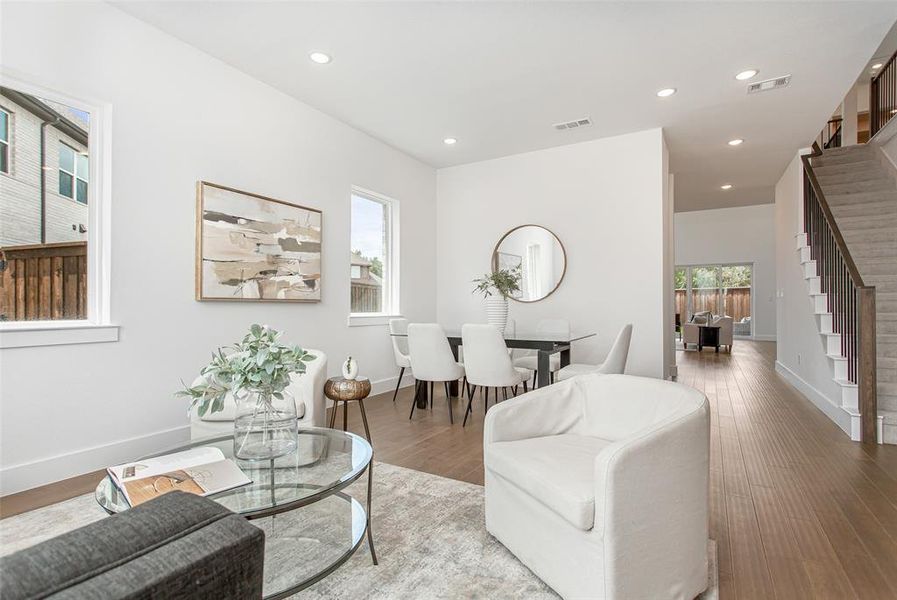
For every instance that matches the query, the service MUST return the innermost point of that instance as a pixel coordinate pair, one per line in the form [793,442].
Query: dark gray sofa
[176,546]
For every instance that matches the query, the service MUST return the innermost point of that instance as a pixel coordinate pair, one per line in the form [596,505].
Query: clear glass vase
[265,426]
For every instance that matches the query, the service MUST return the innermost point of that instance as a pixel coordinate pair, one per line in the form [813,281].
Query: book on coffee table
[200,471]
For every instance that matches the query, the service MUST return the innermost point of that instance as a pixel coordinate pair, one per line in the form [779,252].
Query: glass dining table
[543,342]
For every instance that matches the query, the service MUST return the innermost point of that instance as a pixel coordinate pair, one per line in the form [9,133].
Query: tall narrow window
[373,268]
[4,141]
[73,173]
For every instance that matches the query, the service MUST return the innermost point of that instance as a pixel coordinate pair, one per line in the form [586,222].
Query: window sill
[55,333]
[372,320]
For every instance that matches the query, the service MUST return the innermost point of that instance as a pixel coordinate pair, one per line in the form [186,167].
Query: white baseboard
[763,338]
[831,409]
[388,384]
[16,478]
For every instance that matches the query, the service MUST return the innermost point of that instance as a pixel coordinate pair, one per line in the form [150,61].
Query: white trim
[832,409]
[756,338]
[99,203]
[25,476]
[370,320]
[27,334]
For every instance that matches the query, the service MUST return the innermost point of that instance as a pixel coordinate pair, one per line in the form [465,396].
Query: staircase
[862,194]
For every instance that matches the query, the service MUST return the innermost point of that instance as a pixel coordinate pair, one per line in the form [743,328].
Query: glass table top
[524,336]
[325,461]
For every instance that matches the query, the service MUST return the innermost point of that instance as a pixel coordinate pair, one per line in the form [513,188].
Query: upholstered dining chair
[531,359]
[432,361]
[398,332]
[614,364]
[488,365]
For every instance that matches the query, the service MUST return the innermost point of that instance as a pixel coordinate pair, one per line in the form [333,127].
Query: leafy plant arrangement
[505,282]
[259,362]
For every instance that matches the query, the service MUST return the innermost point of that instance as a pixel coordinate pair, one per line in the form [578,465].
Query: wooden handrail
[829,218]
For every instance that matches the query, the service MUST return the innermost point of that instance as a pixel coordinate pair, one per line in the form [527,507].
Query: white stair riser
[804,254]
[839,367]
[820,303]
[833,344]
[824,321]
[850,397]
[810,269]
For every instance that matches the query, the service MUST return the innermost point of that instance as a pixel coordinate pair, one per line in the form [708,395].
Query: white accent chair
[307,390]
[691,331]
[614,363]
[488,365]
[599,485]
[398,332]
[432,361]
[531,359]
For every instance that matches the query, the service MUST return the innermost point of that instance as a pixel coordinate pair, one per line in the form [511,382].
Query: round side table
[343,390]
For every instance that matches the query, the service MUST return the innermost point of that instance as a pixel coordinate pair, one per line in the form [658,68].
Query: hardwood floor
[798,511]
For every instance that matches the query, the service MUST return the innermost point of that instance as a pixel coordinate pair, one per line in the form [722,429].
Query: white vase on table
[350,368]
[497,311]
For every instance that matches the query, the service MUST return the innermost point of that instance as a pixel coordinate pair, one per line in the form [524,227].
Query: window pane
[737,297]
[82,191]
[368,241]
[65,184]
[679,284]
[705,289]
[83,171]
[58,234]
[66,158]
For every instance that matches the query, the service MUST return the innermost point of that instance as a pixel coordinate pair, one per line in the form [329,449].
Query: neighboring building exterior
[366,286]
[23,118]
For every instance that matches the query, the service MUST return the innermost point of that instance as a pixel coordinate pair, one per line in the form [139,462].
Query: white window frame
[391,266]
[6,142]
[75,175]
[97,327]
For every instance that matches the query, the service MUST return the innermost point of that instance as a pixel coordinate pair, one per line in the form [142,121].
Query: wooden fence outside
[737,302]
[366,299]
[43,282]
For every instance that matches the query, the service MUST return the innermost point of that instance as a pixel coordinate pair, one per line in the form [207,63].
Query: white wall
[180,116]
[745,234]
[800,350]
[604,201]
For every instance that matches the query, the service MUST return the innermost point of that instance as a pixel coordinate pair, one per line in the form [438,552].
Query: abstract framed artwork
[253,248]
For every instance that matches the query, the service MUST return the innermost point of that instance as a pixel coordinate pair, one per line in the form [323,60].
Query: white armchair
[307,390]
[599,485]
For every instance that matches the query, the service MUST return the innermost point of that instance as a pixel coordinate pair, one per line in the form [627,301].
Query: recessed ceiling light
[727,186]
[449,141]
[747,74]
[666,92]
[320,58]
[736,142]
[876,66]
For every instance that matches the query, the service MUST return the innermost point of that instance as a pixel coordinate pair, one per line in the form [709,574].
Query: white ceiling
[498,75]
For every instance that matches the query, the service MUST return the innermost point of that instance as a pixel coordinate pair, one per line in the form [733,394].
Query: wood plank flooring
[797,509]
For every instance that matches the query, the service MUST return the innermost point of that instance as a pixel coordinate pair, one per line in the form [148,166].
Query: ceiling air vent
[584,122]
[769,84]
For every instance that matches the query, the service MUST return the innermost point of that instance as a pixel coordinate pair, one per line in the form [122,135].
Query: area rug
[429,535]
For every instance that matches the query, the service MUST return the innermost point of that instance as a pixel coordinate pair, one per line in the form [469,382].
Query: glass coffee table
[311,526]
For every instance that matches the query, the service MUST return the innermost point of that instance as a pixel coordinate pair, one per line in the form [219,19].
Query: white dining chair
[398,333]
[488,365]
[432,361]
[531,359]
[614,363]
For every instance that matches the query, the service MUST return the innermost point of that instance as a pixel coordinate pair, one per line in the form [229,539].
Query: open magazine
[200,471]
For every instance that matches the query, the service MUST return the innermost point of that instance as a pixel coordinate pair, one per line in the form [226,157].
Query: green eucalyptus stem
[259,362]
[505,282]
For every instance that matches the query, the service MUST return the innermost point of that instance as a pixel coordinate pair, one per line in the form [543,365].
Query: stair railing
[883,96]
[831,135]
[850,301]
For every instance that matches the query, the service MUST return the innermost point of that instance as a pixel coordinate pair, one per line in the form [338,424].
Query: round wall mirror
[539,255]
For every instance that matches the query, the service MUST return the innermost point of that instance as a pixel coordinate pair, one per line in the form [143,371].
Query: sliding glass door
[720,289]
